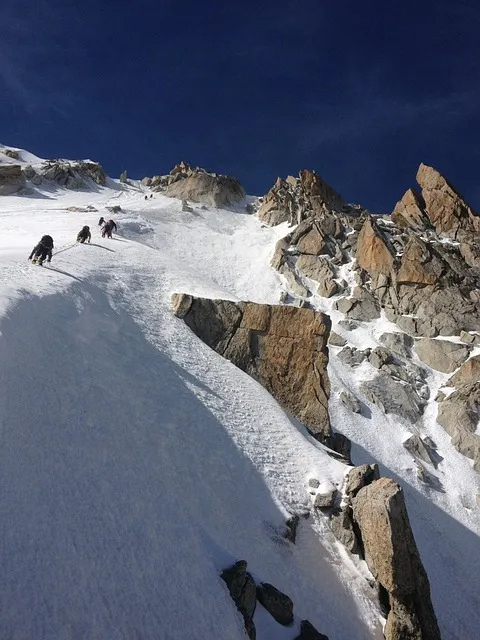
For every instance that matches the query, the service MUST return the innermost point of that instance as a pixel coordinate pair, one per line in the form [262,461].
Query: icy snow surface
[135,463]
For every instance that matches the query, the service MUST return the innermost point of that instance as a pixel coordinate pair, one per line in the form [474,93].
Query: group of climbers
[43,250]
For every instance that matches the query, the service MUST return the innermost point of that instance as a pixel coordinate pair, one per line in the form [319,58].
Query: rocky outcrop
[447,211]
[308,632]
[197,185]
[360,477]
[394,396]
[459,415]
[351,402]
[391,554]
[245,592]
[409,212]
[419,264]
[11,179]
[11,153]
[399,343]
[420,449]
[441,355]
[373,251]
[468,373]
[73,175]
[278,605]
[295,199]
[282,347]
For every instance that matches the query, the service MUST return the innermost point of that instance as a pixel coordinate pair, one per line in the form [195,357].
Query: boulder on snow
[308,632]
[351,402]
[11,179]
[325,497]
[392,556]
[282,347]
[11,153]
[278,605]
[242,589]
[336,340]
[393,396]
[420,449]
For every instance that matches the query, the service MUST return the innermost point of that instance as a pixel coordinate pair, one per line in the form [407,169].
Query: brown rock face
[447,210]
[373,253]
[419,265]
[409,212]
[295,199]
[459,415]
[316,188]
[197,185]
[284,348]
[11,179]
[278,205]
[392,557]
[468,373]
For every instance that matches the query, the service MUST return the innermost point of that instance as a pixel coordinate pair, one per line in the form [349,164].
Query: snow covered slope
[135,463]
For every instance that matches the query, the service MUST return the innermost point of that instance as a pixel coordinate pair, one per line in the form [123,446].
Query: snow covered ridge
[141,465]
[22,172]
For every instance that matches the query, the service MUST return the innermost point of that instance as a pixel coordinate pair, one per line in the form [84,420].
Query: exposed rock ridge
[282,347]
[198,185]
[296,199]
[73,175]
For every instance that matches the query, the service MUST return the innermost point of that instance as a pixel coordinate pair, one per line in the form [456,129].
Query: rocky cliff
[419,268]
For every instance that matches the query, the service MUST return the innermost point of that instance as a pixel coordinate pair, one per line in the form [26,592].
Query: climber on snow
[84,235]
[42,251]
[101,221]
[108,228]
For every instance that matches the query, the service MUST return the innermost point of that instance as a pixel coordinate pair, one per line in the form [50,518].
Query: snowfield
[136,463]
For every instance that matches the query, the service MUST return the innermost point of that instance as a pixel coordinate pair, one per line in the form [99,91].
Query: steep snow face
[135,462]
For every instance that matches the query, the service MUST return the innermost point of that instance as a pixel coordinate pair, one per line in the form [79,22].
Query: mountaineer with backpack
[108,228]
[84,235]
[42,251]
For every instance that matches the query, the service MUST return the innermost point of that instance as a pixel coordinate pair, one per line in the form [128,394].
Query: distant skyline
[360,92]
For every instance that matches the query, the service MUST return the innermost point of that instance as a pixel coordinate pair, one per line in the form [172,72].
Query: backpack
[47,241]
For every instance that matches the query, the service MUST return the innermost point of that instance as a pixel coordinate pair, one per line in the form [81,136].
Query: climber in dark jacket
[101,221]
[108,228]
[42,251]
[84,235]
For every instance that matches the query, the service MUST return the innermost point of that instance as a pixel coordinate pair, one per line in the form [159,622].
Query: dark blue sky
[360,91]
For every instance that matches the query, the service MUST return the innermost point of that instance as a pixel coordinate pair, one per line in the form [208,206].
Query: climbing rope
[66,249]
